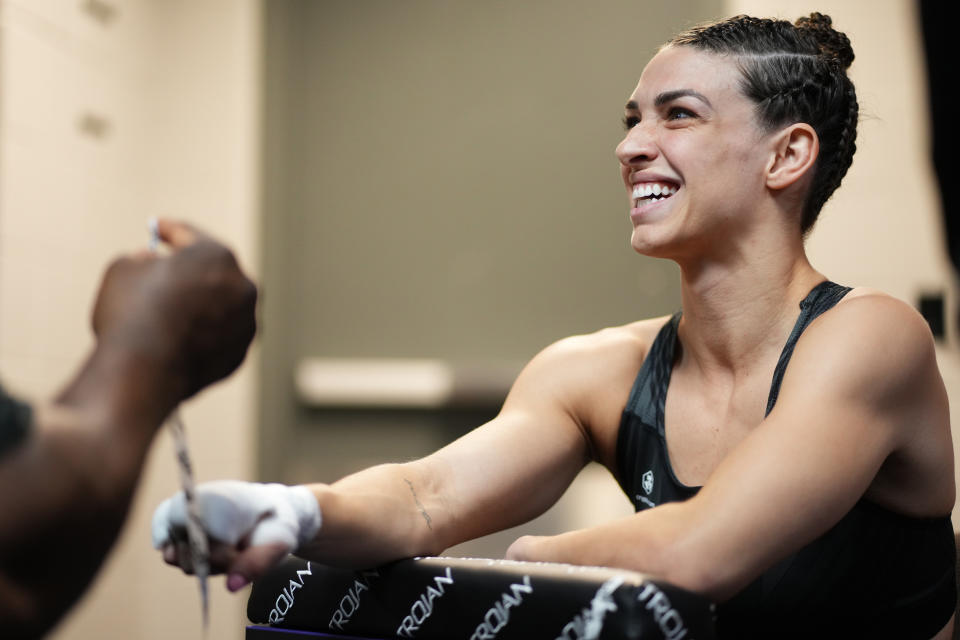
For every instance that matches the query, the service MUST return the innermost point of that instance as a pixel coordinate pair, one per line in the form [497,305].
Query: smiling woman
[785,440]
[704,142]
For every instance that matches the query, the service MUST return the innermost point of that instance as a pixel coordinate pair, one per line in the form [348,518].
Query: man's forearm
[69,486]
[58,523]
[123,391]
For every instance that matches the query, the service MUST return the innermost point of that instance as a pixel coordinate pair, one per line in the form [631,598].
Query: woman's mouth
[645,192]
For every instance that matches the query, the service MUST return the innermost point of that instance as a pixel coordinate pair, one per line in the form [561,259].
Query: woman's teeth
[652,191]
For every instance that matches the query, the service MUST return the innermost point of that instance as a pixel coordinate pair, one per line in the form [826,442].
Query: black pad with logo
[477,599]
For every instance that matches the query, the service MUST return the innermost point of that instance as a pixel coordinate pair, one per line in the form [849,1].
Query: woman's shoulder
[872,294]
[877,314]
[591,376]
[878,335]
[586,367]
[628,342]
[597,367]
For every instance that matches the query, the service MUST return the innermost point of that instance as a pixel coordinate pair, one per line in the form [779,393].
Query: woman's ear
[795,151]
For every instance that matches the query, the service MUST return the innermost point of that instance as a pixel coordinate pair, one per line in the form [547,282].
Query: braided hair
[794,73]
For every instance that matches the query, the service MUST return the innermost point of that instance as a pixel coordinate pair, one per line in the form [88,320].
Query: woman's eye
[679,113]
[629,122]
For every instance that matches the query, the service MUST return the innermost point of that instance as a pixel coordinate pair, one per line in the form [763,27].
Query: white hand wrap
[233,510]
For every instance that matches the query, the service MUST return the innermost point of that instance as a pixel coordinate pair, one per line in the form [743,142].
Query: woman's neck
[738,309]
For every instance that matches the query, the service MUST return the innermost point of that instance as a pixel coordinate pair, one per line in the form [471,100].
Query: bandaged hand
[251,526]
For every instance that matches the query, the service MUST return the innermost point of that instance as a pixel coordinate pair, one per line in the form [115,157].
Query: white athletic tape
[233,510]
[199,549]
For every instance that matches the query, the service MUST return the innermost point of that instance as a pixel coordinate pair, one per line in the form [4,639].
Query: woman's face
[694,157]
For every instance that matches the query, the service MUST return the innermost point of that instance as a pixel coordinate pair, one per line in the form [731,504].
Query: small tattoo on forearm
[423,511]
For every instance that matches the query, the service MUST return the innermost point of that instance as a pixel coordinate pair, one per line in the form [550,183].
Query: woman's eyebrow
[668,96]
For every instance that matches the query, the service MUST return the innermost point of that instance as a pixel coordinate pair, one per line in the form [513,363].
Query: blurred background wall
[110,112]
[422,179]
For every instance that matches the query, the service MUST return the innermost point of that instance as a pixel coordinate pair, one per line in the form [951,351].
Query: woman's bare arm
[501,474]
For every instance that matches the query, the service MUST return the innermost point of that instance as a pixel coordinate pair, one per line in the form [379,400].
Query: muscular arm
[68,486]
[165,327]
[506,472]
[503,473]
[860,391]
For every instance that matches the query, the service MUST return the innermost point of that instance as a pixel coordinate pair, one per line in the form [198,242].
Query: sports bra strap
[821,298]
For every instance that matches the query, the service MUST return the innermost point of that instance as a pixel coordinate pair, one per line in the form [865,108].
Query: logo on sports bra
[646,481]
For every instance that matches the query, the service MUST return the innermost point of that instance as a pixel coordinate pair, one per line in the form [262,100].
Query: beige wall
[882,228]
[168,94]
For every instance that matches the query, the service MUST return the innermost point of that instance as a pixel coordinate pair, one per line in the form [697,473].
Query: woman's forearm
[381,514]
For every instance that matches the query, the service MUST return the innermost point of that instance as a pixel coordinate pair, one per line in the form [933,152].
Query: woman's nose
[637,146]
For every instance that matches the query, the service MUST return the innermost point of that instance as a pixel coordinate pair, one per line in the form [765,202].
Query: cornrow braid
[794,73]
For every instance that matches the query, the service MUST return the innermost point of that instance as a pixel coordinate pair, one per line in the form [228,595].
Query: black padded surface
[477,599]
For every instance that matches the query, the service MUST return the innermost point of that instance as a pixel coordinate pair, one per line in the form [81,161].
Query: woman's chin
[646,244]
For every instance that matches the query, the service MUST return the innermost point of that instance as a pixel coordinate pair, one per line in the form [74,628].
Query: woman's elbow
[702,571]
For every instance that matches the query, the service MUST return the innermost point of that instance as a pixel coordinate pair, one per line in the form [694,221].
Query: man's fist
[190,312]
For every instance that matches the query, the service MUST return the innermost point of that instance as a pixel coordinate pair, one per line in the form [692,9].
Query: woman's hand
[251,527]
[528,549]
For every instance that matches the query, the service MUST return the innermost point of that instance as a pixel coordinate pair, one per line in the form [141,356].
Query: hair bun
[833,44]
